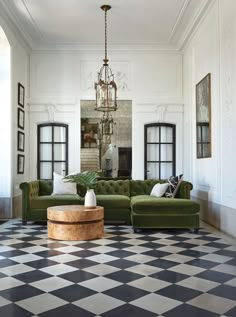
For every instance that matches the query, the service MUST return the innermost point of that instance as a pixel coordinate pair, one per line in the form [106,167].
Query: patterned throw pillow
[174,183]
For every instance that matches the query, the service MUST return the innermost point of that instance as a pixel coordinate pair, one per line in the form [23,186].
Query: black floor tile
[124,276]
[122,263]
[215,276]
[39,264]
[20,292]
[186,310]
[178,292]
[13,310]
[225,291]
[169,276]
[78,276]
[73,293]
[163,264]
[126,293]
[129,311]
[32,276]
[81,263]
[203,263]
[67,310]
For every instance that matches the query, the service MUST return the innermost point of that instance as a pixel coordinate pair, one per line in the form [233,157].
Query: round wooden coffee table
[75,222]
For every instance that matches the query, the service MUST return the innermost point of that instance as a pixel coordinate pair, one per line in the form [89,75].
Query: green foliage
[87,179]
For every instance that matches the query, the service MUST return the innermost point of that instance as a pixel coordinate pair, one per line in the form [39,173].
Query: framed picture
[21,119]
[20,164]
[20,141]
[21,95]
[203,117]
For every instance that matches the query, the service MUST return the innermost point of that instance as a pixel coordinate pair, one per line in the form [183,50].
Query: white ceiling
[76,23]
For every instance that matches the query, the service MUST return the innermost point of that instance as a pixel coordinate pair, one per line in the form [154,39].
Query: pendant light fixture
[105,87]
[107,124]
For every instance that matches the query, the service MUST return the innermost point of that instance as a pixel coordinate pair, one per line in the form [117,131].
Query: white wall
[212,49]
[19,73]
[151,79]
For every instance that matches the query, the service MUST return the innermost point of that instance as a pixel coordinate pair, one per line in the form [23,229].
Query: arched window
[159,150]
[52,150]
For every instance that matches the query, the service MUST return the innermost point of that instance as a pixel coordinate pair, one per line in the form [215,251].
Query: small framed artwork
[20,164]
[20,141]
[203,117]
[21,119]
[21,95]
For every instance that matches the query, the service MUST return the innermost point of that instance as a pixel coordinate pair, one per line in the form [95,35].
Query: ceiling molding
[100,48]
[11,22]
[180,15]
[201,12]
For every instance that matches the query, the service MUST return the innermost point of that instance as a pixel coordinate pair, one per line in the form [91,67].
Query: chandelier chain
[105,35]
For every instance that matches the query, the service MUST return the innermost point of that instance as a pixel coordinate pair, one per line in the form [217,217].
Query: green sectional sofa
[124,202]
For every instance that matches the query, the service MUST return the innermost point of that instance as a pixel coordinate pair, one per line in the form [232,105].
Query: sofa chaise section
[161,212]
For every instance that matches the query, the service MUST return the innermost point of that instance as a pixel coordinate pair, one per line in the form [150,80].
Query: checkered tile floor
[153,273]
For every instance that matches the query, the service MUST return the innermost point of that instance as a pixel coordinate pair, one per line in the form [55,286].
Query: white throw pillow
[62,187]
[159,190]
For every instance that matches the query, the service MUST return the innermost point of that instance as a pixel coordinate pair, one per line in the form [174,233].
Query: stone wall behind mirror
[114,159]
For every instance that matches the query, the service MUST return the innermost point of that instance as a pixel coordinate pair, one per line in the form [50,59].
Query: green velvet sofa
[124,202]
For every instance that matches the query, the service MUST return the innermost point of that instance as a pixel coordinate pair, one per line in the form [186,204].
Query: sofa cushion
[119,187]
[45,187]
[143,187]
[43,202]
[159,190]
[113,201]
[153,205]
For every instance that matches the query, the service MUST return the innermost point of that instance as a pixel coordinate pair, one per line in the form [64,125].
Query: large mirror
[111,155]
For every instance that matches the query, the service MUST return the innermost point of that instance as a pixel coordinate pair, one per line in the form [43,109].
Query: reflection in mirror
[109,154]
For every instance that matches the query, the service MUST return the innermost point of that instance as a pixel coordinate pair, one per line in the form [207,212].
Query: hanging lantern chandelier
[107,124]
[105,87]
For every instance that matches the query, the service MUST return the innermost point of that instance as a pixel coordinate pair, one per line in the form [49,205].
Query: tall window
[159,151]
[52,149]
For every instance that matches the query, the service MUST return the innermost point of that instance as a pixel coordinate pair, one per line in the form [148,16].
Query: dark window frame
[52,161]
[159,143]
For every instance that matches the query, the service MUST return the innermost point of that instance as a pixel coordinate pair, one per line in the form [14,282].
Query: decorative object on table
[87,179]
[20,164]
[20,141]
[21,119]
[173,185]
[203,117]
[21,95]
[105,87]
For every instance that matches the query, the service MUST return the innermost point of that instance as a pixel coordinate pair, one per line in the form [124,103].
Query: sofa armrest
[29,190]
[184,190]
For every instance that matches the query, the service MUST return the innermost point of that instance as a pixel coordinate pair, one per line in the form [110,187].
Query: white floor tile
[212,303]
[156,303]
[98,303]
[41,303]
[100,284]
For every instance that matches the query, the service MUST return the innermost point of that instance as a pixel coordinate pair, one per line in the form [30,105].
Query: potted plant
[87,179]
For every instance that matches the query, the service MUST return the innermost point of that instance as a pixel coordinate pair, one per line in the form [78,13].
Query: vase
[90,199]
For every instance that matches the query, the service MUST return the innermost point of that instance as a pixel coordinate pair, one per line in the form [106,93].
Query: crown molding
[200,14]
[100,47]
[180,15]
[12,24]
